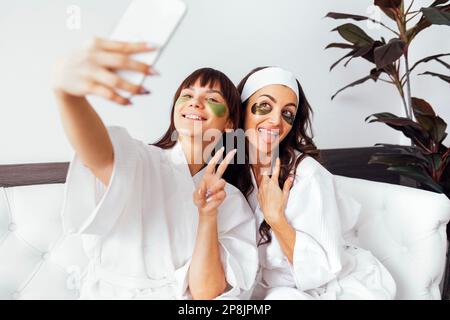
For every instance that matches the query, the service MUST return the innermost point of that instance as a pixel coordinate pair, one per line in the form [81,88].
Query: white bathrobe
[139,232]
[325,263]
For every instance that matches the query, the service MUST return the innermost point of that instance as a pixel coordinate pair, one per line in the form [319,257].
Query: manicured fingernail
[153,72]
[144,91]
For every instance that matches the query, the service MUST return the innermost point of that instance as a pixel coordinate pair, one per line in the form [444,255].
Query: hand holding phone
[149,21]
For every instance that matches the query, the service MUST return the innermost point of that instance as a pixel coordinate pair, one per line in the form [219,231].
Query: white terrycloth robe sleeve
[313,212]
[237,239]
[89,207]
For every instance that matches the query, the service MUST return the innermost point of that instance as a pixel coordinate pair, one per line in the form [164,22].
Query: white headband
[266,77]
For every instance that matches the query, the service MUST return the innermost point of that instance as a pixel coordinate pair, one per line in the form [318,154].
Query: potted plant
[427,159]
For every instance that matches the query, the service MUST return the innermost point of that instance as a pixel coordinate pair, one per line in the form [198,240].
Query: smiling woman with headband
[303,220]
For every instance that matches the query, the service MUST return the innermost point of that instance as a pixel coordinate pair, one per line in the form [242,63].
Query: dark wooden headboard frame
[350,162]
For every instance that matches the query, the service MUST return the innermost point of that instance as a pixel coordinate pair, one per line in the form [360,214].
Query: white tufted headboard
[403,227]
[36,260]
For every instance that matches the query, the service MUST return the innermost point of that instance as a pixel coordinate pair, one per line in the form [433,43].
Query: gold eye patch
[261,109]
[289,118]
[265,108]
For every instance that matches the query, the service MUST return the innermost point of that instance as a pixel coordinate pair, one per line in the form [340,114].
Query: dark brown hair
[207,77]
[298,139]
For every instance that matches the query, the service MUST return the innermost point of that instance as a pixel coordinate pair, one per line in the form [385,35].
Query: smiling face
[199,108]
[269,116]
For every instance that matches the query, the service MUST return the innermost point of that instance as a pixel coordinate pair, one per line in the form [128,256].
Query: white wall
[233,36]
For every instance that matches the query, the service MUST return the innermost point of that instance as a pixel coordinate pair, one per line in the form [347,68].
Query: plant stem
[408,85]
[410,6]
[405,105]
[387,81]
[402,95]
[385,26]
[395,79]
[410,18]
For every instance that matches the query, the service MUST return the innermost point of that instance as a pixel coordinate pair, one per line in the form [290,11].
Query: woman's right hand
[91,70]
[210,192]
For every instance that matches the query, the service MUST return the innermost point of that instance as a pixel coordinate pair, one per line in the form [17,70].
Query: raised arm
[92,70]
[206,273]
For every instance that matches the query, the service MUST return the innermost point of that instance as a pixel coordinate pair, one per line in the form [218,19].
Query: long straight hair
[207,77]
[297,140]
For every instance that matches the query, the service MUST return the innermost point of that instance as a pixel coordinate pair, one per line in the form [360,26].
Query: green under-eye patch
[181,99]
[218,109]
[289,120]
[261,109]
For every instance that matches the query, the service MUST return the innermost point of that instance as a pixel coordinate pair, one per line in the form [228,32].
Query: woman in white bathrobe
[155,222]
[303,219]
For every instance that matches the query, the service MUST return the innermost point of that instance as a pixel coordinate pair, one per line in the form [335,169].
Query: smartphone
[152,21]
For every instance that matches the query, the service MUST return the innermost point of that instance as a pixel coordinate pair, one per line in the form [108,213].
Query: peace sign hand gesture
[210,192]
[272,199]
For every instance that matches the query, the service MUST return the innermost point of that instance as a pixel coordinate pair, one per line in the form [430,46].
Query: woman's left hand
[272,200]
[210,192]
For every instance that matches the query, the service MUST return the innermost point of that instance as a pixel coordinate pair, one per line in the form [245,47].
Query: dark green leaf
[417,174]
[421,107]
[439,130]
[346,56]
[340,45]
[419,27]
[426,122]
[436,16]
[389,53]
[360,52]
[373,75]
[363,51]
[397,122]
[397,159]
[338,15]
[440,76]
[429,124]
[354,34]
[436,158]
[388,3]
[439,2]
[416,151]
[388,7]
[446,159]
[427,59]
[369,54]
[426,116]
[445,64]
[383,115]
[408,127]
